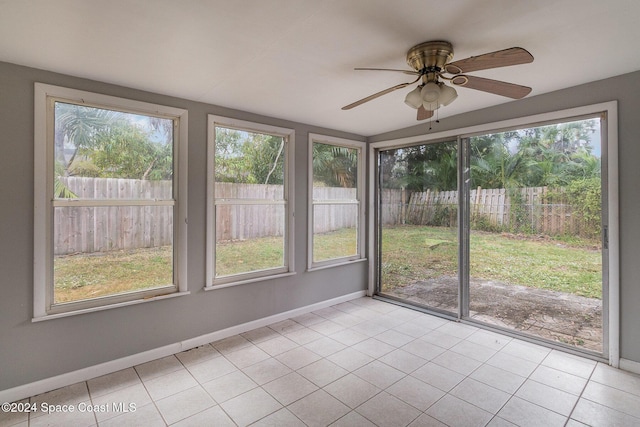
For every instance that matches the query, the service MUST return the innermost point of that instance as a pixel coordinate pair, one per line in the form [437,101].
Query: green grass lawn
[410,254]
[565,265]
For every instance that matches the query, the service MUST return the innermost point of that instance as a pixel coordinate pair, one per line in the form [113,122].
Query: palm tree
[335,166]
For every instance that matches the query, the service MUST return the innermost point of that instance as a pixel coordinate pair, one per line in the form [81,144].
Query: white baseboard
[52,383]
[630,365]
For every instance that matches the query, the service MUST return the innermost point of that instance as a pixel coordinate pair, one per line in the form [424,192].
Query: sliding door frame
[610,210]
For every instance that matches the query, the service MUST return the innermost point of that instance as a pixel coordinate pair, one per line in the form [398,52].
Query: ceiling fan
[431,64]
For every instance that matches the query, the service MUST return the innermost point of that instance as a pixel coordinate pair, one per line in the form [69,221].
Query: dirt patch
[557,316]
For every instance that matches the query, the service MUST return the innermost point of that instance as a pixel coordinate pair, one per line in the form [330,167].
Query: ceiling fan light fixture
[447,95]
[430,93]
[414,99]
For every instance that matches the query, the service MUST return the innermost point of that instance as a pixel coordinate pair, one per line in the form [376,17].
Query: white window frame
[45,97]
[288,202]
[360,191]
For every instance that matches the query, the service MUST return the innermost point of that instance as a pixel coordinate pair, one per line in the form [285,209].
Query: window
[249,210]
[336,216]
[110,201]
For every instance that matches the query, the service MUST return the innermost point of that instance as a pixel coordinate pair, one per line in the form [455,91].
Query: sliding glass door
[418,227]
[505,229]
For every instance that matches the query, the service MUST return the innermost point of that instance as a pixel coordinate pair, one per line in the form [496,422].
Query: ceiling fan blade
[378,94]
[500,58]
[415,73]
[423,113]
[497,87]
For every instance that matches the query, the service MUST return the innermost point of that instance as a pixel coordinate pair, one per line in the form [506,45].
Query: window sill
[246,281]
[338,263]
[108,307]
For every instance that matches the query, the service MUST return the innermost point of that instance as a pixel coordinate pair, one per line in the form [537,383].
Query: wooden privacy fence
[99,229]
[524,209]
[105,228]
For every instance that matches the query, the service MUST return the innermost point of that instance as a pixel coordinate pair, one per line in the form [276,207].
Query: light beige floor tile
[277,345]
[481,395]
[374,348]
[386,410]
[559,379]
[438,376]
[353,419]
[501,422]
[570,364]
[109,383]
[370,328]
[213,416]
[266,371]
[352,390]
[229,386]
[308,319]
[474,351]
[527,351]
[441,339]
[423,349]
[76,415]
[596,415]
[328,312]
[250,406]
[379,374]
[348,337]
[298,357]
[458,330]
[261,334]
[457,362]
[617,378]
[197,355]
[159,367]
[69,395]
[327,327]
[289,388]
[411,329]
[425,420]
[286,326]
[322,372]
[415,392]
[547,397]
[281,418]
[489,339]
[17,415]
[523,413]
[211,369]
[403,360]
[325,346]
[304,336]
[232,343]
[121,400]
[513,364]
[613,398]
[148,415]
[184,404]
[166,385]
[455,412]
[394,338]
[347,320]
[247,356]
[350,359]
[498,378]
[318,409]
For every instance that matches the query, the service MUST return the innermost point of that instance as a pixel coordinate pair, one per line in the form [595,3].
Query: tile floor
[359,363]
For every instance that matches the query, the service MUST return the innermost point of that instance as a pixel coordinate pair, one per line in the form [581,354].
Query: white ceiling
[294,59]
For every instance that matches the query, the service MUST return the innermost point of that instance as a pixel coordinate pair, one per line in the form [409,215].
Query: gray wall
[33,351]
[626,90]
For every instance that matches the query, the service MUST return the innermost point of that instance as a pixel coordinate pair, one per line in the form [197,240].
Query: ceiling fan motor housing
[432,56]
